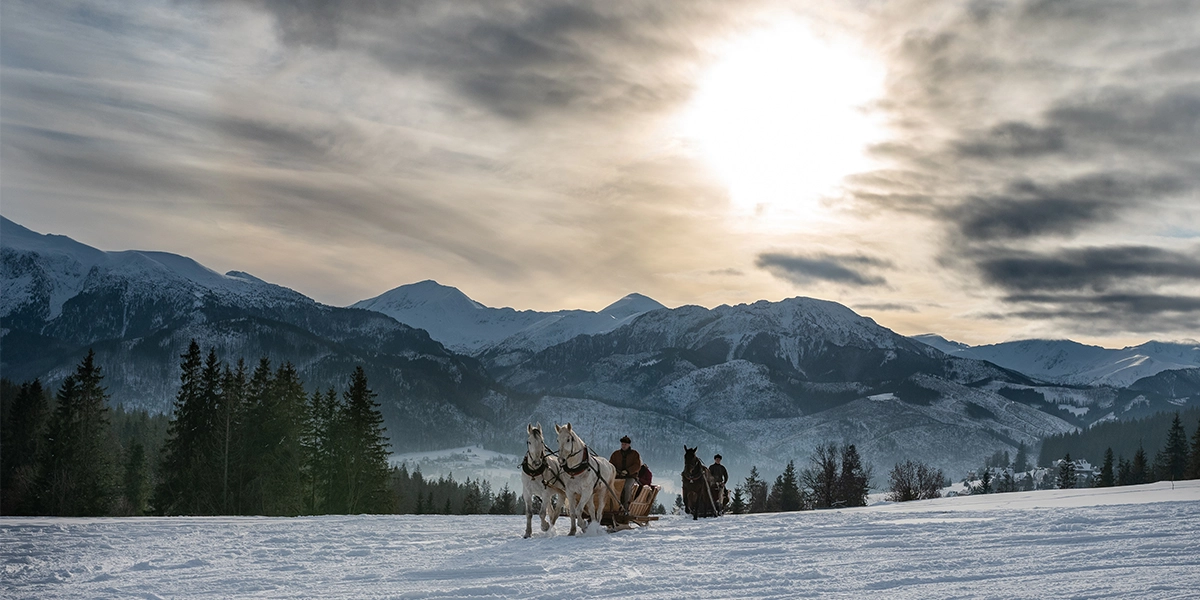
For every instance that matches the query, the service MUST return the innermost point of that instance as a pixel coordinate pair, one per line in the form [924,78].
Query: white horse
[589,478]
[541,477]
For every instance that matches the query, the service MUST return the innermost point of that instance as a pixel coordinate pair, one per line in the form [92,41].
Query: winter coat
[628,463]
[719,473]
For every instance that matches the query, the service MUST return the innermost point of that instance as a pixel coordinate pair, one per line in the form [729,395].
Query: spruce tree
[1172,461]
[231,433]
[1124,471]
[1194,459]
[737,506]
[1021,462]
[77,467]
[256,409]
[180,471]
[282,430]
[985,482]
[1139,470]
[362,451]
[756,490]
[1107,476]
[789,496]
[22,434]
[854,481]
[1066,473]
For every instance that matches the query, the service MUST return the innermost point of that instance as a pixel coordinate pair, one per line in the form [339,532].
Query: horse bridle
[531,470]
[697,468]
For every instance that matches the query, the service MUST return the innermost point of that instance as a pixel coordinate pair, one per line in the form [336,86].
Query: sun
[781,117]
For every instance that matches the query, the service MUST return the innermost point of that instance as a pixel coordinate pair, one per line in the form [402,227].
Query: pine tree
[181,472]
[282,431]
[1124,472]
[1139,470]
[1172,461]
[985,482]
[789,495]
[22,435]
[756,489]
[1194,461]
[1021,462]
[362,451]
[737,506]
[253,443]
[1066,473]
[77,471]
[1107,476]
[230,411]
[854,481]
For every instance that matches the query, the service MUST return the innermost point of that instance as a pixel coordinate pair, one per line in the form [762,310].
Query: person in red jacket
[628,463]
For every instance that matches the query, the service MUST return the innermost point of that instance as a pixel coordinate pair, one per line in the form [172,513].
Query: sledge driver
[720,477]
[629,465]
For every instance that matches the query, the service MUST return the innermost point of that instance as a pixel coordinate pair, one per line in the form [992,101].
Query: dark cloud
[842,269]
[1014,139]
[1087,269]
[1030,209]
[518,60]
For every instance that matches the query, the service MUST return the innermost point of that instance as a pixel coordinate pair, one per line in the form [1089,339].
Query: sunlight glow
[781,117]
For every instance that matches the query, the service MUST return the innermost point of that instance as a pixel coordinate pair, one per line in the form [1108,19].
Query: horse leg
[528,497]
[572,510]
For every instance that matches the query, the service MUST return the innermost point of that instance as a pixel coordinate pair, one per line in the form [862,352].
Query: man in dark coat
[720,477]
[628,463]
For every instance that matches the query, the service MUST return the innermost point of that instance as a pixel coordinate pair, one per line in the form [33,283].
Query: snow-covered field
[1127,542]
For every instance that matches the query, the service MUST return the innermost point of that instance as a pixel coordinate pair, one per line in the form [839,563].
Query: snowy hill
[1124,542]
[467,326]
[1072,363]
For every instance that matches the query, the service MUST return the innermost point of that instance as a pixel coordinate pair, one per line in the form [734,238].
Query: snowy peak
[428,293]
[630,305]
[1073,363]
[941,343]
[464,325]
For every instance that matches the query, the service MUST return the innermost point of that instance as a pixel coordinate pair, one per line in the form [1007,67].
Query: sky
[985,170]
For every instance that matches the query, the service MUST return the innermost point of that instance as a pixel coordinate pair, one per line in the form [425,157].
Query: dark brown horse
[698,499]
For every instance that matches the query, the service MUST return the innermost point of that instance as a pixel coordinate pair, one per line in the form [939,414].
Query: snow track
[1139,541]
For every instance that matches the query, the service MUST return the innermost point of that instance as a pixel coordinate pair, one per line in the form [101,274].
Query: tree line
[1175,460]
[835,477]
[237,442]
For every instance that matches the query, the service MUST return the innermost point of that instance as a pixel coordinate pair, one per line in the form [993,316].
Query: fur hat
[626,440]
[717,457]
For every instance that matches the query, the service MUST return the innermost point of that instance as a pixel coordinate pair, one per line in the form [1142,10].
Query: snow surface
[1141,541]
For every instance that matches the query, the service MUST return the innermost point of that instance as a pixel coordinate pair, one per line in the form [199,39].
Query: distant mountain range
[1072,363]
[762,383]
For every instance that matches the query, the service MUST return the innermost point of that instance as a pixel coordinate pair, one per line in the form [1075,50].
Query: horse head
[535,444]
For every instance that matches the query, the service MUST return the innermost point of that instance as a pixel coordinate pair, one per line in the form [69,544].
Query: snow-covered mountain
[138,310]
[1072,363]
[762,383]
[467,326]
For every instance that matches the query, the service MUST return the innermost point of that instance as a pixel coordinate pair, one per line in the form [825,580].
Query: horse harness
[583,465]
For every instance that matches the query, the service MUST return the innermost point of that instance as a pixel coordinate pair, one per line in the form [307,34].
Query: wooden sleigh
[640,506]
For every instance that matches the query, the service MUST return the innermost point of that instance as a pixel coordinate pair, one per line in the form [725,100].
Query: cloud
[1087,269]
[842,269]
[1030,209]
[1027,124]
